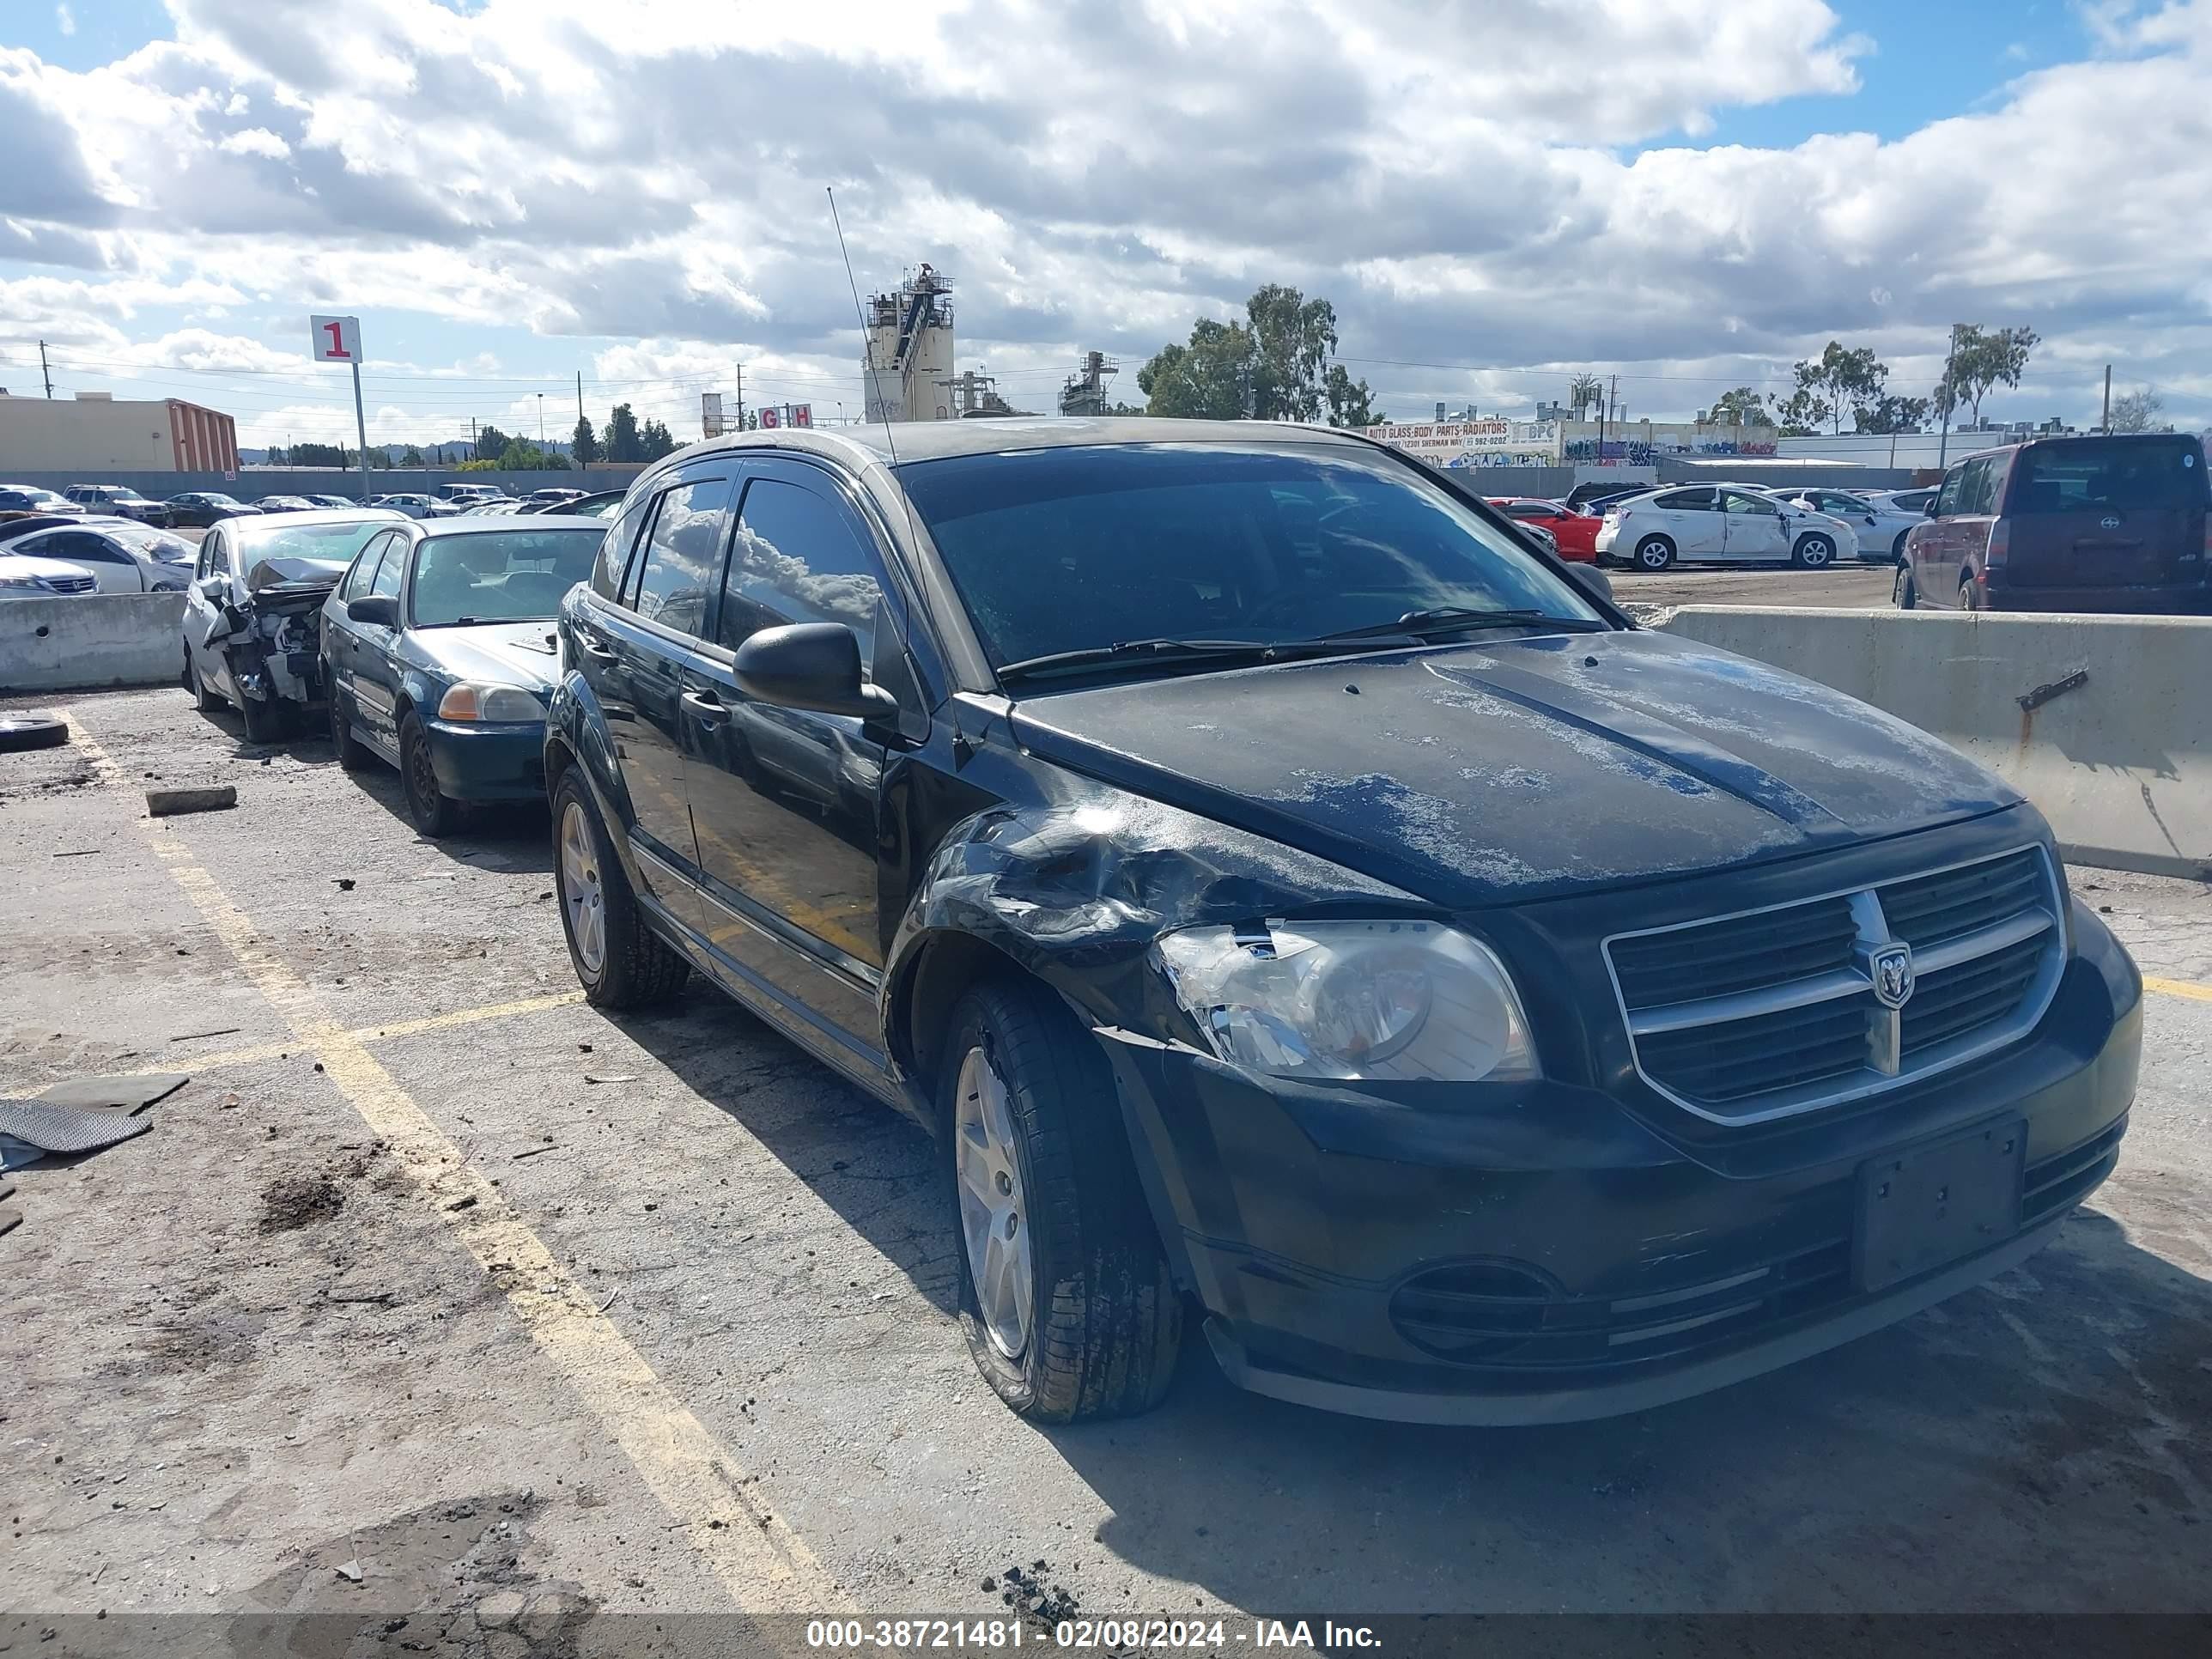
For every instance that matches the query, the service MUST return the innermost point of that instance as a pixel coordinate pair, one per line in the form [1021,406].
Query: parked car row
[1282,888]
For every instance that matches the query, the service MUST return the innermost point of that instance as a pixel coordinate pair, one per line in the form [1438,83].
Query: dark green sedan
[438,650]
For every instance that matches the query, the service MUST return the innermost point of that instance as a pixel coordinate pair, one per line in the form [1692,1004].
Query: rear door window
[2124,475]
[677,567]
[1688,500]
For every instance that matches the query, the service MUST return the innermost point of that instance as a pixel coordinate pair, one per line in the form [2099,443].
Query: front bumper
[502,760]
[1543,1254]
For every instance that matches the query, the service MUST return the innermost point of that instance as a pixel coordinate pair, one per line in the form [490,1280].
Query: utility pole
[541,421]
[738,372]
[1950,391]
[2105,425]
[472,437]
[44,370]
[579,394]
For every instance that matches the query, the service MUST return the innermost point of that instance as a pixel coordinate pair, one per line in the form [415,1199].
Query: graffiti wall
[1640,443]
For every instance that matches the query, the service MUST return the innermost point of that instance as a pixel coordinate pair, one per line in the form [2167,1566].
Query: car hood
[506,653]
[35,564]
[1521,768]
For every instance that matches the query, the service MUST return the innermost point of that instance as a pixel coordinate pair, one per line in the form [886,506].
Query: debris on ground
[349,1570]
[127,1094]
[1030,1594]
[26,730]
[66,1128]
[292,1201]
[194,1037]
[623,1077]
[9,1220]
[345,883]
[169,803]
[533,1152]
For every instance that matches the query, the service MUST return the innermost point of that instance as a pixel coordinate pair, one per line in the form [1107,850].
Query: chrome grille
[1746,1017]
[70,584]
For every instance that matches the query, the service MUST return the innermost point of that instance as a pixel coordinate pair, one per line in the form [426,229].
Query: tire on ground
[640,968]
[30,731]
[1107,1318]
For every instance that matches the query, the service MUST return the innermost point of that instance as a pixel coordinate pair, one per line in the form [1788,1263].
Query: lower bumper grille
[1506,1316]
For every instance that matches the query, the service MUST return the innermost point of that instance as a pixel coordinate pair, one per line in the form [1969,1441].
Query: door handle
[592,645]
[705,705]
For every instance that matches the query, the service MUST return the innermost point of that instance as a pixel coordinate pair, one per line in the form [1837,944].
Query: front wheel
[1902,593]
[1654,553]
[434,812]
[1066,1299]
[619,961]
[1812,553]
[353,754]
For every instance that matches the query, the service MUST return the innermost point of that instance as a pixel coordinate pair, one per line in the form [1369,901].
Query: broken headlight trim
[1384,999]
[473,700]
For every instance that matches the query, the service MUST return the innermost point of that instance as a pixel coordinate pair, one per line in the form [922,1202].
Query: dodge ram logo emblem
[1892,976]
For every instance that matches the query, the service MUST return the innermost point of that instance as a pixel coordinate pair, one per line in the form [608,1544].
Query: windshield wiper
[1451,618]
[1138,651]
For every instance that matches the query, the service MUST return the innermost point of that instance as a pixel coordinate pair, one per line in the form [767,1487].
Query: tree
[621,435]
[317,455]
[1842,381]
[1890,413]
[410,456]
[1584,391]
[2135,411]
[1350,402]
[1802,414]
[655,441]
[1980,363]
[1741,407]
[379,457]
[1272,366]
[585,445]
[491,444]
[276,454]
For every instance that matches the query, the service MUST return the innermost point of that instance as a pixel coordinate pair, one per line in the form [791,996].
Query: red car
[1576,532]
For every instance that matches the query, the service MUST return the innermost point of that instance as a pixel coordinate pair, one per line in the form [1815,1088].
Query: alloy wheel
[992,1221]
[580,890]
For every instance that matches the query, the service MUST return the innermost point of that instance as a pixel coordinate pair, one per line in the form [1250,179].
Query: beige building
[93,432]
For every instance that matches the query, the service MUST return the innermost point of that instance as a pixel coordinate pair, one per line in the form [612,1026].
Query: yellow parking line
[764,1565]
[2178,988]
[188,1061]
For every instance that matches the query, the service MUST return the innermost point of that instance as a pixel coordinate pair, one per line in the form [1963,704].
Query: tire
[434,812]
[354,755]
[1654,553]
[1103,1319]
[21,732]
[1970,597]
[1902,593]
[206,701]
[1813,552]
[265,722]
[1897,547]
[633,966]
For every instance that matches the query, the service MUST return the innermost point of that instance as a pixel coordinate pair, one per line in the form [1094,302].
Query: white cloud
[1466,191]
[64,20]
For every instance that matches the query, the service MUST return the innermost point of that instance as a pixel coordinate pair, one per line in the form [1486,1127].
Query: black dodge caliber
[1284,891]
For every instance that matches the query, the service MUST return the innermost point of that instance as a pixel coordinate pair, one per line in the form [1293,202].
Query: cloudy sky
[1496,195]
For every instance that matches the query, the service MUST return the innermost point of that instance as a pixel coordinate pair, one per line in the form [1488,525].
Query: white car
[123,556]
[1719,524]
[1880,518]
[417,506]
[26,576]
[117,500]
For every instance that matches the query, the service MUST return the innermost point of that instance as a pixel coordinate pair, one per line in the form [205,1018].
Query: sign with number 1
[334,339]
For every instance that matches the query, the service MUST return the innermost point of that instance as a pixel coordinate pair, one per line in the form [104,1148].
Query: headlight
[25,583]
[1378,999]
[469,701]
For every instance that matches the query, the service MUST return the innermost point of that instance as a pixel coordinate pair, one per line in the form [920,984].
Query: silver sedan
[1880,517]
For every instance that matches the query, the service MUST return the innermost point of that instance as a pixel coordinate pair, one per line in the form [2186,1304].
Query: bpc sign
[334,339]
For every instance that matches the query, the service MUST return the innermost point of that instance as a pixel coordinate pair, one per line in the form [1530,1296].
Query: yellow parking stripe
[187,1061]
[2178,988]
[761,1562]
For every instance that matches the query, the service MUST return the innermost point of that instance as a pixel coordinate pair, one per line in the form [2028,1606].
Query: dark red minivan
[2113,524]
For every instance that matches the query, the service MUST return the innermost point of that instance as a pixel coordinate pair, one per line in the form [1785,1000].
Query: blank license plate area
[1922,1208]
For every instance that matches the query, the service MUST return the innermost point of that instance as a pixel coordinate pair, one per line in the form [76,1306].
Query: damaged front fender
[1074,884]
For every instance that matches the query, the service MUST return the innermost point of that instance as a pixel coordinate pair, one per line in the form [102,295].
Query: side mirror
[211,589]
[375,610]
[1592,580]
[813,666]
[1929,511]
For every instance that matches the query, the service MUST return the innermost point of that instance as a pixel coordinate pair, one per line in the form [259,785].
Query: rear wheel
[1971,597]
[1813,552]
[1897,547]
[207,701]
[1654,553]
[619,961]
[353,754]
[434,812]
[1902,593]
[1066,1297]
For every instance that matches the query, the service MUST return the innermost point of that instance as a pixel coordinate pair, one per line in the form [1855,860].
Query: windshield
[499,576]
[1076,549]
[2127,474]
[325,544]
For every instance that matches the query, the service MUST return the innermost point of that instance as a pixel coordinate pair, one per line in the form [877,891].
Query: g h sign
[334,339]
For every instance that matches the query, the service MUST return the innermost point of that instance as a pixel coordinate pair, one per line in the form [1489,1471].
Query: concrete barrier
[90,641]
[2104,723]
